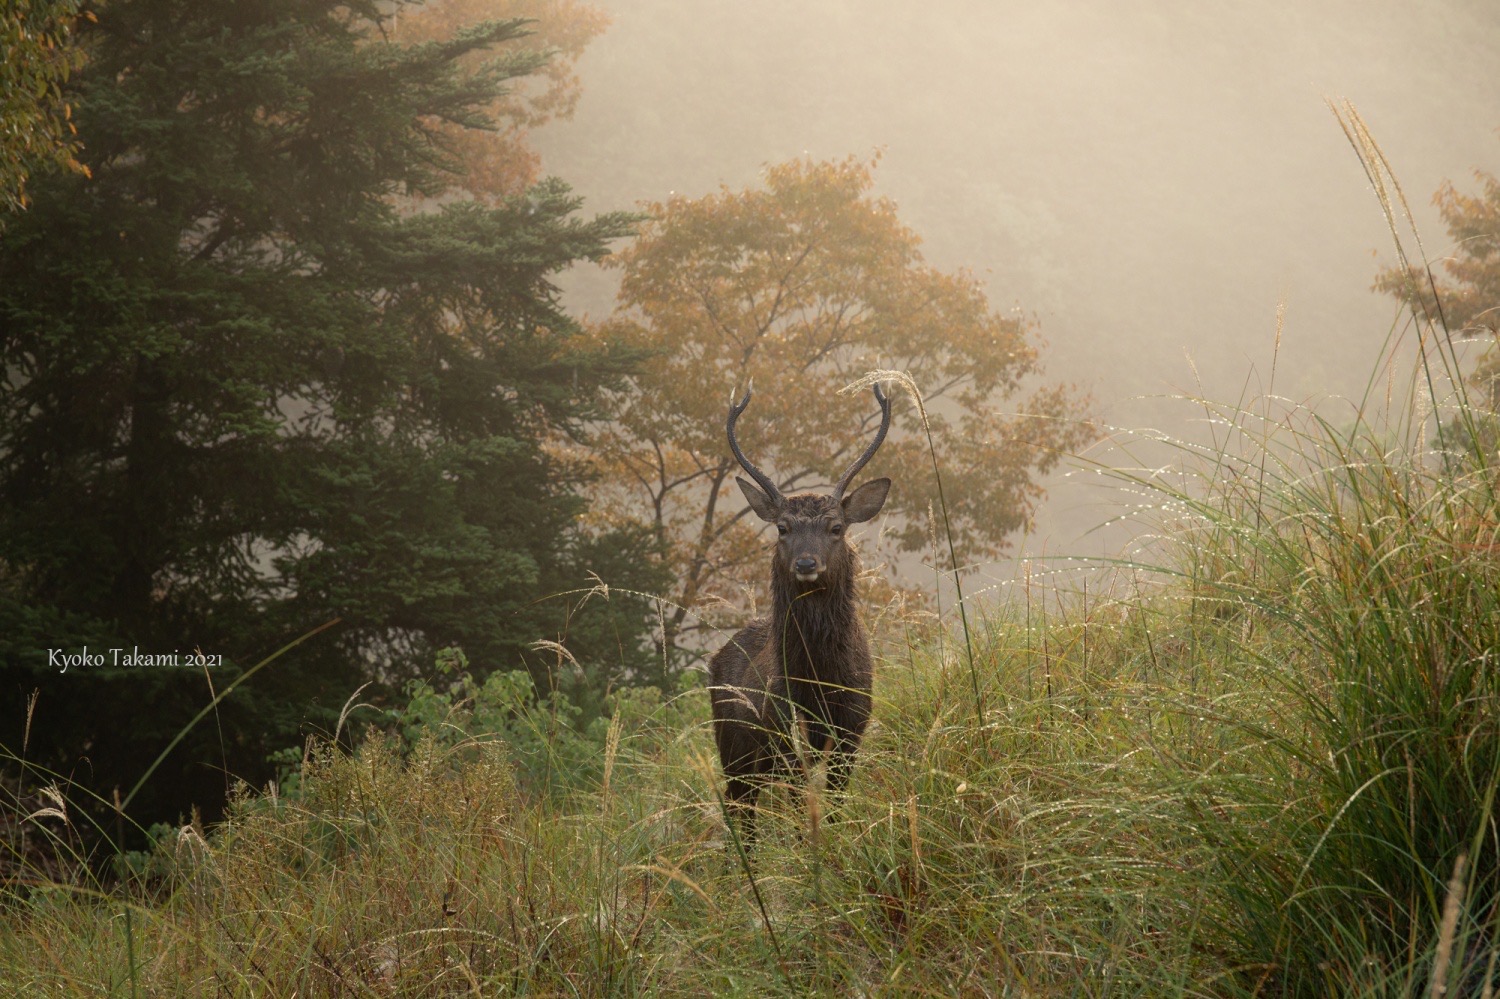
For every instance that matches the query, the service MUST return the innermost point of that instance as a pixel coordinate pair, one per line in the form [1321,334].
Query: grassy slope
[1046,845]
[1256,780]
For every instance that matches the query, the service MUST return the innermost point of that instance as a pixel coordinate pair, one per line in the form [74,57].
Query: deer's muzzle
[806,569]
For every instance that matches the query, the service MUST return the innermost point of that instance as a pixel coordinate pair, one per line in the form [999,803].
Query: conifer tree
[266,368]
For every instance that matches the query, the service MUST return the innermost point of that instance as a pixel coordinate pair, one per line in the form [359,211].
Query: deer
[808,660]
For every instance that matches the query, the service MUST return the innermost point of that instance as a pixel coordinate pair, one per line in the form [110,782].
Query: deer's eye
[781,529]
[836,530]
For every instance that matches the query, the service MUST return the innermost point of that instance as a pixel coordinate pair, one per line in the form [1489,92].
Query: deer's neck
[812,627]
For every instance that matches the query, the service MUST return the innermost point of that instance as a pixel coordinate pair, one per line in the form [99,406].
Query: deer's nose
[805,565]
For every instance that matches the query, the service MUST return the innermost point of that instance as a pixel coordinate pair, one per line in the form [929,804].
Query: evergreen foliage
[263,370]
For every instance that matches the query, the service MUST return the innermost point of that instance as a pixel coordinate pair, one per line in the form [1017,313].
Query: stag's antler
[862,460]
[761,477]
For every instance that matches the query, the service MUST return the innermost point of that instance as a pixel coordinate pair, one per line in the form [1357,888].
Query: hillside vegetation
[1264,765]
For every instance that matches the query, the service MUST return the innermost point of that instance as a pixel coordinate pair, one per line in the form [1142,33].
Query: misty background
[1150,181]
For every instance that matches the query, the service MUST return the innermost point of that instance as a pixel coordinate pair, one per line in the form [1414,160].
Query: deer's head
[811,527]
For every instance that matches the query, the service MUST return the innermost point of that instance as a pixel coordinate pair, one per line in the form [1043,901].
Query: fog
[1151,181]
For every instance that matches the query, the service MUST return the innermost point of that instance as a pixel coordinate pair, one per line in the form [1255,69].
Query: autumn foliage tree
[35,119]
[1466,297]
[801,286]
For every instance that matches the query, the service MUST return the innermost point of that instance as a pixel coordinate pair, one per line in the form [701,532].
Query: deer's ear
[865,502]
[765,507]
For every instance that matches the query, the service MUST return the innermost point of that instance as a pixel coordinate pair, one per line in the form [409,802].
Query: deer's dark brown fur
[808,661]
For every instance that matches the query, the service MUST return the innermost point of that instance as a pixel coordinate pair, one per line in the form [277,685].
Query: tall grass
[1374,561]
[1255,779]
[1371,574]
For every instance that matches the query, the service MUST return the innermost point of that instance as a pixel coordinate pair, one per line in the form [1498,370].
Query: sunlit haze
[1151,181]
